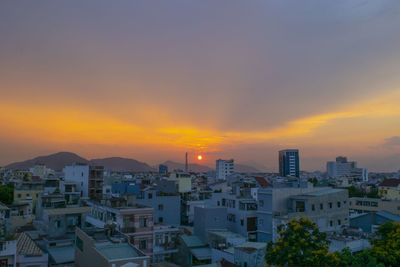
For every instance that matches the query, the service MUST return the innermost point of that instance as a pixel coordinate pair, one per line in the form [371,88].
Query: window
[338,204]
[330,223]
[339,222]
[261,203]
[300,206]
[161,207]
[261,222]
[374,204]
[143,244]
[312,207]
[79,243]
[218,203]
[160,219]
[19,195]
[143,221]
[321,206]
[241,222]
[330,205]
[150,196]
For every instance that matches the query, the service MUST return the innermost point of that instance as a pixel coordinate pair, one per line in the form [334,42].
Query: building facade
[289,164]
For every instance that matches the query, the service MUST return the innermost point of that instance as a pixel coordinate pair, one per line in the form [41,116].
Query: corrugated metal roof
[26,246]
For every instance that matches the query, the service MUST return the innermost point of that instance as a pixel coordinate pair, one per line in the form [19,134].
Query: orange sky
[222,80]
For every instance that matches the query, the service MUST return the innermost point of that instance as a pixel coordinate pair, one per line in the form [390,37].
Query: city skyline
[224,80]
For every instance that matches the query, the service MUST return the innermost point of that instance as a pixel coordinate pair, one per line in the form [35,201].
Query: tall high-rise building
[289,163]
[224,168]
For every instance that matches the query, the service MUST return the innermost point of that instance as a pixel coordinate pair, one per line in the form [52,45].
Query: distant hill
[192,167]
[59,160]
[122,164]
[55,161]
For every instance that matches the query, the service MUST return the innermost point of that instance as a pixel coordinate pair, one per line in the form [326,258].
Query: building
[182,180]
[326,207]
[390,189]
[39,170]
[132,219]
[106,248]
[289,164]
[341,168]
[28,191]
[250,254]
[8,253]
[241,213]
[192,252]
[165,244]
[208,218]
[369,222]
[162,169]
[88,179]
[29,253]
[224,168]
[59,222]
[167,207]
[367,205]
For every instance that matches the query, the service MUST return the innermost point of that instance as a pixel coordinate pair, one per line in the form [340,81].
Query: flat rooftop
[70,210]
[119,251]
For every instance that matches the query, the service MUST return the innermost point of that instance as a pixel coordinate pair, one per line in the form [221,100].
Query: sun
[199,157]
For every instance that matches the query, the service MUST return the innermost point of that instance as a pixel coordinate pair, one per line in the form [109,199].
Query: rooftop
[390,182]
[65,254]
[118,251]
[251,246]
[192,241]
[70,210]
[26,246]
[324,192]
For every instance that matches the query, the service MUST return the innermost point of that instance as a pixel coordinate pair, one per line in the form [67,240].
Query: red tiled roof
[262,182]
[390,182]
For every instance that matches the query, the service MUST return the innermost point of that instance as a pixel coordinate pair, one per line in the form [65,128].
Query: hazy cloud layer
[242,79]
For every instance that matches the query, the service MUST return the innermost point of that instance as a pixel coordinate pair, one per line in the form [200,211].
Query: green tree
[300,244]
[386,247]
[7,193]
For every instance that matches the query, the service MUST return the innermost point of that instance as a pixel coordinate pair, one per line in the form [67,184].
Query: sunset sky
[151,80]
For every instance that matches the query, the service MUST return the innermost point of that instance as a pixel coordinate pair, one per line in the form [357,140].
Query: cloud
[393,141]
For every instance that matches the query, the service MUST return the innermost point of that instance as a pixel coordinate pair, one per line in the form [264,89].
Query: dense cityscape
[180,133]
[86,214]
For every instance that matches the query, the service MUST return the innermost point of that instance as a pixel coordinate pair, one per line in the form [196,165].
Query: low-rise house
[250,254]
[365,205]
[369,222]
[8,253]
[29,253]
[390,189]
[106,248]
[165,244]
[167,207]
[132,219]
[192,252]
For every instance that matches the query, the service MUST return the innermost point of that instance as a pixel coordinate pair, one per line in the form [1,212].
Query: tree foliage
[301,244]
[7,193]
[386,247]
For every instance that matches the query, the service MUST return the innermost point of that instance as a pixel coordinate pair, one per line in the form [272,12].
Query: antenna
[186,162]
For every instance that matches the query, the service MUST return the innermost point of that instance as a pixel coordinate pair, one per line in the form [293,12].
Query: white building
[342,168]
[224,168]
[79,175]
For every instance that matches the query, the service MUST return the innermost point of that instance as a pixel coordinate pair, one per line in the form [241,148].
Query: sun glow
[199,157]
